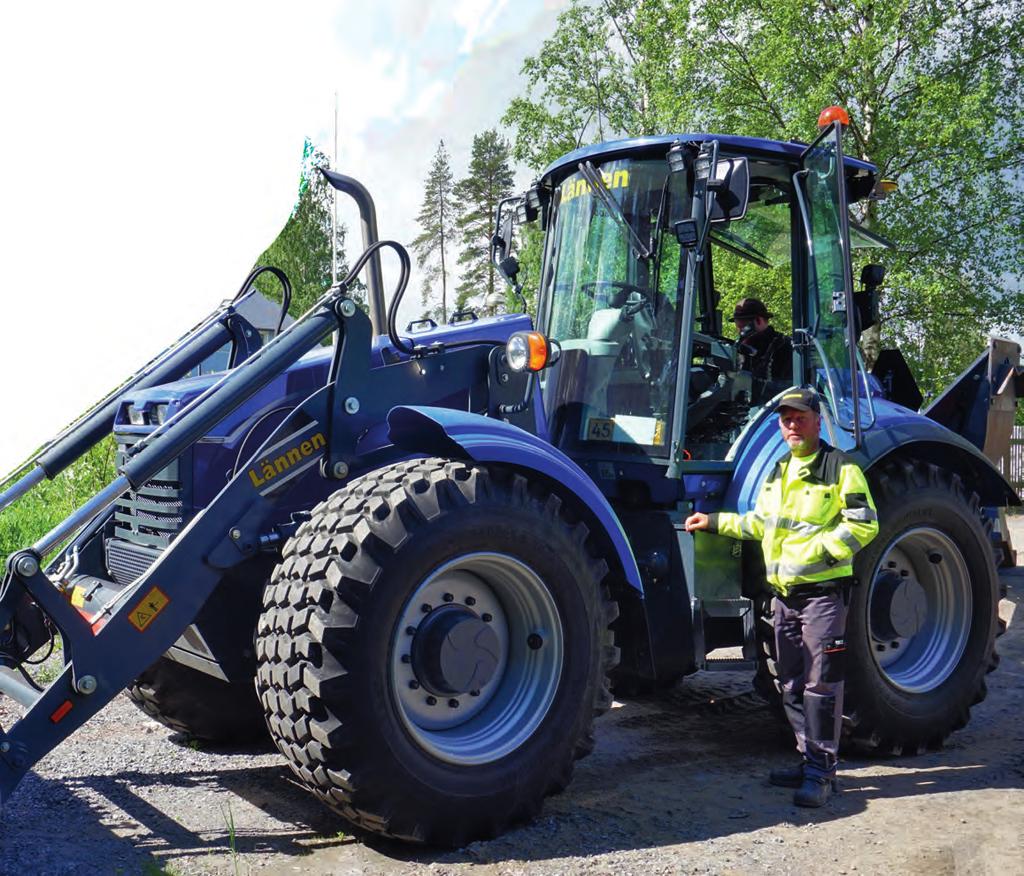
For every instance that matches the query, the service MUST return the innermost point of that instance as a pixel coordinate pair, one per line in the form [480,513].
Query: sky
[151,152]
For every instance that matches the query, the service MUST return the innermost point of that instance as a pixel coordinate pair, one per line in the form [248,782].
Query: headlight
[159,415]
[531,351]
[136,416]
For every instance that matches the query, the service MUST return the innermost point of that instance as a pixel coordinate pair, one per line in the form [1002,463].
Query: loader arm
[334,428]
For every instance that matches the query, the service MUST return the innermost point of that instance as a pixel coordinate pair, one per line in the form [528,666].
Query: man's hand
[696,521]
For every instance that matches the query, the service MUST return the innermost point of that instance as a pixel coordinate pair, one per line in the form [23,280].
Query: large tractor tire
[434,649]
[923,617]
[199,705]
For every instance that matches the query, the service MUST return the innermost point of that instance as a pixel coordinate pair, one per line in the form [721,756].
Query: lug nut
[410,631]
[891,564]
[474,693]
[895,645]
[904,573]
[448,597]
[414,685]
[486,618]
[426,608]
[534,641]
[453,703]
[431,701]
[406,658]
[879,647]
[934,558]
[470,600]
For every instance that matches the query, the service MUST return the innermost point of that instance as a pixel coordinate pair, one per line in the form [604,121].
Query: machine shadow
[684,767]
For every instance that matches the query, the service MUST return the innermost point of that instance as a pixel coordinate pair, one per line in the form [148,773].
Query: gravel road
[676,785]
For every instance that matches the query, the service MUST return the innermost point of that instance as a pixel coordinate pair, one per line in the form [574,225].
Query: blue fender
[460,434]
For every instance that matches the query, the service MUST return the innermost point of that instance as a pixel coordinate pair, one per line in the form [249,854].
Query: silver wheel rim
[936,605]
[485,725]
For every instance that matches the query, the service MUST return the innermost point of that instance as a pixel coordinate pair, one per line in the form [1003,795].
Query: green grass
[41,509]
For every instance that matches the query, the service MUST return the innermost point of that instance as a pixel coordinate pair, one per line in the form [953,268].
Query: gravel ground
[676,785]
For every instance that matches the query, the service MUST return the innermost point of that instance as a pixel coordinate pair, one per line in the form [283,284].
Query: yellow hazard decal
[146,611]
[78,597]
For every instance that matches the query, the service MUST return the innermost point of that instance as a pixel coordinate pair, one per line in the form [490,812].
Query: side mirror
[731,185]
[503,239]
[509,269]
[866,300]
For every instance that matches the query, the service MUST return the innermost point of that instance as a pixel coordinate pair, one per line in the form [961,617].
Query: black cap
[800,399]
[748,308]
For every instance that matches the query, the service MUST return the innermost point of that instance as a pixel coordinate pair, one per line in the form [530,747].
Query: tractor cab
[648,245]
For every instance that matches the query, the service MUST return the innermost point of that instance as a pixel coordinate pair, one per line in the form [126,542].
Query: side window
[734,373]
[752,259]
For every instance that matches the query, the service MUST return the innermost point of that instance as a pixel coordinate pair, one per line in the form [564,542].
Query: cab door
[834,364]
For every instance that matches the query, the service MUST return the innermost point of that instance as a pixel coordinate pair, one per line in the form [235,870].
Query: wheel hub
[899,606]
[919,609]
[454,651]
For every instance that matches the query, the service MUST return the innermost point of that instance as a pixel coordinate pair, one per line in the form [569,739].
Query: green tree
[935,100]
[303,248]
[488,180]
[437,219]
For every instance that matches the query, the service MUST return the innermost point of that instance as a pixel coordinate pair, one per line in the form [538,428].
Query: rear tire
[907,692]
[910,700]
[199,705]
[346,665]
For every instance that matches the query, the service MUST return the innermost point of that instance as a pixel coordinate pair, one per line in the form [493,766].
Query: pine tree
[437,219]
[488,181]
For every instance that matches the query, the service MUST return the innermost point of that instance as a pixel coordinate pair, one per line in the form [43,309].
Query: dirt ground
[676,785]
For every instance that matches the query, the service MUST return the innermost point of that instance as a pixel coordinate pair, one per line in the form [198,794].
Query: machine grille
[127,561]
[151,516]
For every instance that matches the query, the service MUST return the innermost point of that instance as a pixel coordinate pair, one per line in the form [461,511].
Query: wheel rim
[513,621]
[919,609]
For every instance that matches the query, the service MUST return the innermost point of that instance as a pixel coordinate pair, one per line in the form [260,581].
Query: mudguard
[463,435]
[896,429]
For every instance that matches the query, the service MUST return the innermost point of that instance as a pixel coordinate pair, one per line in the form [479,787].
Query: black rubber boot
[788,777]
[814,791]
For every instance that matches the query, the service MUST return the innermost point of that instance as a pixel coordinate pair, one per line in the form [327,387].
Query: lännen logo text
[271,469]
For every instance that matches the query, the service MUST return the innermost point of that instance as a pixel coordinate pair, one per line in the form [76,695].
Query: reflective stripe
[847,538]
[859,514]
[785,571]
[793,525]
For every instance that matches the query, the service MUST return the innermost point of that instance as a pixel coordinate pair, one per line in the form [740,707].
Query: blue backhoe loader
[420,561]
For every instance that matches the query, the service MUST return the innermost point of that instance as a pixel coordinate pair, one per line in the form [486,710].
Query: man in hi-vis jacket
[812,515]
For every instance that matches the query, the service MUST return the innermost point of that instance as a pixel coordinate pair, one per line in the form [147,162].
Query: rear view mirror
[731,185]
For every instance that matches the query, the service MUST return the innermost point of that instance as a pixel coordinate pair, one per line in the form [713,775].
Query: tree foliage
[935,100]
[303,248]
[487,181]
[437,221]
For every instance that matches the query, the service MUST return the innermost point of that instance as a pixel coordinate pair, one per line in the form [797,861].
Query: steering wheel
[592,287]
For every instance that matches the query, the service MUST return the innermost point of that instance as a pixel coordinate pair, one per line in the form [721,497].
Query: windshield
[612,309]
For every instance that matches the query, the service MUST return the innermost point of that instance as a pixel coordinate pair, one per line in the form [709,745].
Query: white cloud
[150,153]
[476,17]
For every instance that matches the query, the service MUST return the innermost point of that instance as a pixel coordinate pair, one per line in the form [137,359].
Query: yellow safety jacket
[811,522]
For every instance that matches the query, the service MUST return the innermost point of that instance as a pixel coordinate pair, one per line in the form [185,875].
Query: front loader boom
[106,649]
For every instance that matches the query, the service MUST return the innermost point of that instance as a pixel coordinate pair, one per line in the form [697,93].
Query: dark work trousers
[810,641]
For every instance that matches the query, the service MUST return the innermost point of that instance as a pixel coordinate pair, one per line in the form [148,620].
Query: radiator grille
[127,561]
[152,515]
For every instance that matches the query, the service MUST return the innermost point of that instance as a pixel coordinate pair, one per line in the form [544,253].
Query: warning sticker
[146,611]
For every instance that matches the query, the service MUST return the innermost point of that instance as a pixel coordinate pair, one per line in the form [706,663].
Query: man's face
[758,323]
[800,430]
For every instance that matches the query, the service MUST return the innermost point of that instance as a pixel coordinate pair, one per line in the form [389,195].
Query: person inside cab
[764,352]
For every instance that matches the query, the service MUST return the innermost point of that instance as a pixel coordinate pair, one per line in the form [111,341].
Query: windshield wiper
[591,175]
